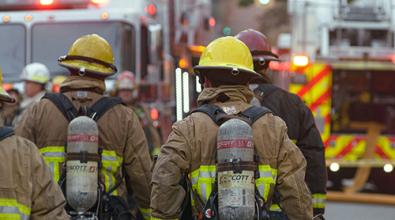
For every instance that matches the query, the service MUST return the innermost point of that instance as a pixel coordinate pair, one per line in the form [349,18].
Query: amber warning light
[300,60]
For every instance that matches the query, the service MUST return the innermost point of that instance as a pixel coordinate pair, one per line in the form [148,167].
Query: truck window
[12,50]
[363,96]
[51,40]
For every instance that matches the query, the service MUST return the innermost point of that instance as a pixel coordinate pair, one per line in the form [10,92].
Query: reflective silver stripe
[51,166]
[265,174]
[195,180]
[261,189]
[53,154]
[12,210]
[110,180]
[207,174]
[318,200]
[109,158]
[203,190]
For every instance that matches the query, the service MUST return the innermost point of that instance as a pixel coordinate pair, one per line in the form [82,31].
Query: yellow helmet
[90,54]
[230,54]
[4,96]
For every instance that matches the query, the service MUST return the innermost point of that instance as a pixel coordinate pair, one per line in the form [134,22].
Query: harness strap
[6,132]
[83,156]
[237,167]
[250,115]
[63,104]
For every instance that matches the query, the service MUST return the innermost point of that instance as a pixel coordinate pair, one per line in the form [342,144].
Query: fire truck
[342,66]
[149,37]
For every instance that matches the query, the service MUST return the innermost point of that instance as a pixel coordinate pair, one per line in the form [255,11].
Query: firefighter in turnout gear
[35,77]
[297,116]
[225,68]
[127,89]
[27,190]
[124,157]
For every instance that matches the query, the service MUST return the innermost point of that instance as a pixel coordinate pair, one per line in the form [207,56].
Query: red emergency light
[46,2]
[151,9]
[212,22]
[154,114]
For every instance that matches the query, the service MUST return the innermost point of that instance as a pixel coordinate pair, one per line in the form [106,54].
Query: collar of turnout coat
[83,82]
[225,94]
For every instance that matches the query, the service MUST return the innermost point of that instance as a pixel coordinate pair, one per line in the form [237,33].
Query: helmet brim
[5,97]
[227,74]
[87,66]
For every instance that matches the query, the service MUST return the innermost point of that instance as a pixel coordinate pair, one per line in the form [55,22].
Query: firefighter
[35,77]
[298,117]
[10,111]
[127,89]
[27,189]
[125,160]
[225,68]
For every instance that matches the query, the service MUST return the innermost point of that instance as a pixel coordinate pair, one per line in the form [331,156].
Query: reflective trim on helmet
[319,200]
[87,59]
[12,209]
[84,67]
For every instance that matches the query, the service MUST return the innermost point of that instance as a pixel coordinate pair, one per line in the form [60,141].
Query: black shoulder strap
[97,110]
[213,111]
[6,132]
[216,114]
[63,104]
[253,113]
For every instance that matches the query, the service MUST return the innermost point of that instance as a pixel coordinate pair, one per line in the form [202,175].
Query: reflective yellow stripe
[53,156]
[11,209]
[5,216]
[111,163]
[267,179]
[275,208]
[155,151]
[203,178]
[146,213]
[154,218]
[319,200]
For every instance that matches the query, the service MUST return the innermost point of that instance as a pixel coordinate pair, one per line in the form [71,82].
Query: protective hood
[83,83]
[235,93]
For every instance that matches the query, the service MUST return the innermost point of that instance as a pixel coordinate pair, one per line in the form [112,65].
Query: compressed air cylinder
[81,170]
[236,187]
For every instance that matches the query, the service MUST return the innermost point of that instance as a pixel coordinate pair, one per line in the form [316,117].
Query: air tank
[236,185]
